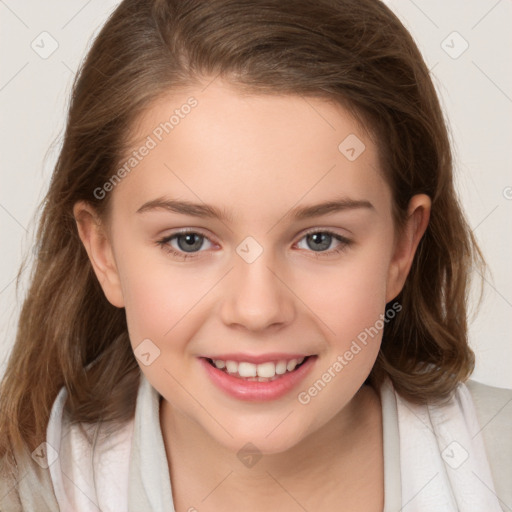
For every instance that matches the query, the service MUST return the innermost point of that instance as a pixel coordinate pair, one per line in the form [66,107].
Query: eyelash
[164,243]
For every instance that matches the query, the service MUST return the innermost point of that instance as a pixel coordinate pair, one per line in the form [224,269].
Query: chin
[268,437]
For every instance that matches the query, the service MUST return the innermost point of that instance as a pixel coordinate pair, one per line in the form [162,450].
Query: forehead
[245,152]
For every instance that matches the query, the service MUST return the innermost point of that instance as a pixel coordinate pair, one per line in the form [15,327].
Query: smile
[263,372]
[257,381]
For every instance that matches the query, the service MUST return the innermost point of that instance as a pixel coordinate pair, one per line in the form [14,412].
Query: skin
[258,157]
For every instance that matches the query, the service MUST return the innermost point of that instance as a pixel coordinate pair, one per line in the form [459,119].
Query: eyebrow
[208,211]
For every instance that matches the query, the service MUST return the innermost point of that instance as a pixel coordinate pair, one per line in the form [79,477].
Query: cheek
[351,305]
[157,301]
[349,296]
[157,296]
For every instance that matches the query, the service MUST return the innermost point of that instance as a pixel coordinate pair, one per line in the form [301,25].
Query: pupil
[322,239]
[193,242]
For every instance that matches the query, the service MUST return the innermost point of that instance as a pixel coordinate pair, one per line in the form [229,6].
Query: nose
[256,297]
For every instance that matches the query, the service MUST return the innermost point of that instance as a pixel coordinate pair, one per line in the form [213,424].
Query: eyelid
[330,231]
[343,242]
[186,231]
[164,242]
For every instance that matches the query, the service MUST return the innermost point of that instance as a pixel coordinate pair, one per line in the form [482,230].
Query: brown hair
[355,52]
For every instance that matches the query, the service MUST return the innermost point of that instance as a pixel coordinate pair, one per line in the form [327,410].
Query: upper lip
[257,359]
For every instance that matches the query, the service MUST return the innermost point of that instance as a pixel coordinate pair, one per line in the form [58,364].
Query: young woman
[252,278]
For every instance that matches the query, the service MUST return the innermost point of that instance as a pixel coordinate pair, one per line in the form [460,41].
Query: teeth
[231,367]
[267,370]
[258,372]
[281,368]
[246,370]
[291,365]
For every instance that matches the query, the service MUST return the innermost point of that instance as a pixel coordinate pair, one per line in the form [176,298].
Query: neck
[349,447]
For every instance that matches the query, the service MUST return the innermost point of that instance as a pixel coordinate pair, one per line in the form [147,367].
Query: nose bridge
[254,295]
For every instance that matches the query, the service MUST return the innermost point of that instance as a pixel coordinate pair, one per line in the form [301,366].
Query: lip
[261,358]
[257,391]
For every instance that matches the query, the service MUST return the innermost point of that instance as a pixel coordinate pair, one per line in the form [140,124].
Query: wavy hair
[354,52]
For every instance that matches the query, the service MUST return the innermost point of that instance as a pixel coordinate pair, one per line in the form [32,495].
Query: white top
[434,458]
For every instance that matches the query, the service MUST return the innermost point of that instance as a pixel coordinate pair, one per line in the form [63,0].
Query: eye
[184,244]
[187,244]
[322,241]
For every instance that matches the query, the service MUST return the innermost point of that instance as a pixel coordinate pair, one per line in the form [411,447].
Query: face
[288,259]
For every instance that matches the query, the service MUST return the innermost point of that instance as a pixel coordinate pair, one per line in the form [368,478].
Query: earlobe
[95,239]
[418,215]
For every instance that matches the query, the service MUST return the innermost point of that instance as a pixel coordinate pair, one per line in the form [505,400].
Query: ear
[94,236]
[418,215]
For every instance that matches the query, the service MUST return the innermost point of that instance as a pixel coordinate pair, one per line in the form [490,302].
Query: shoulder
[28,486]
[26,482]
[493,408]
[93,460]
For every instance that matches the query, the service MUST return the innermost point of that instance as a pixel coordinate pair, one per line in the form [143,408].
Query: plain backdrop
[466,44]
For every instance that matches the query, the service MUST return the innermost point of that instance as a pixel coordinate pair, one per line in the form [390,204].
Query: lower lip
[258,391]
